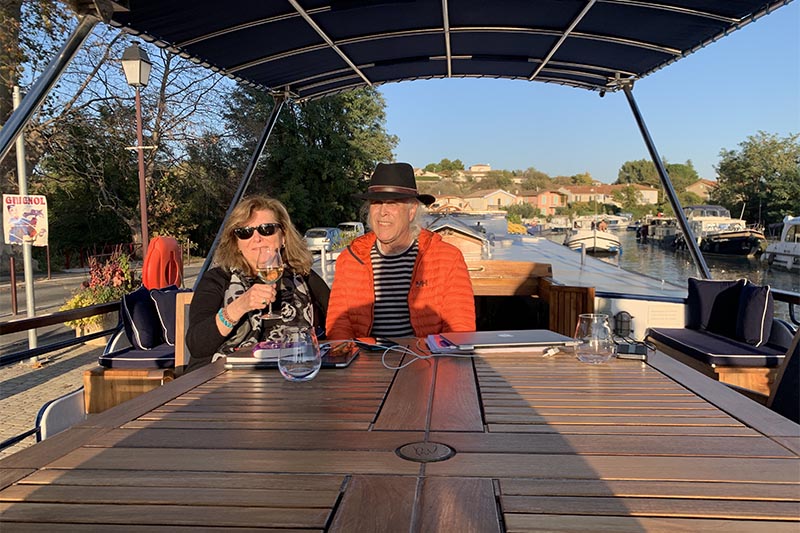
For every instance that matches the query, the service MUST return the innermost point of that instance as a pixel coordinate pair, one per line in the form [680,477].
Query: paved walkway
[24,388]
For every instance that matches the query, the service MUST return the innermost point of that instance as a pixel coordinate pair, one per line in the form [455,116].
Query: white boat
[785,253]
[594,241]
[717,232]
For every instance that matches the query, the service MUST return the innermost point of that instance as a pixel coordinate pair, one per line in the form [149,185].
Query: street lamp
[137,65]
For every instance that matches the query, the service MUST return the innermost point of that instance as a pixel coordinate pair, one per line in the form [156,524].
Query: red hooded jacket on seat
[440,298]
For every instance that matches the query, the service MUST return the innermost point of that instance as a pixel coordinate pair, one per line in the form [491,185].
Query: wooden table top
[537,444]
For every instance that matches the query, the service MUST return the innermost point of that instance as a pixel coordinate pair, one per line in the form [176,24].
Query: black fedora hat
[392,181]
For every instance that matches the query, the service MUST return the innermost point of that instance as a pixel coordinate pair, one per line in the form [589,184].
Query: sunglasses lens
[268,229]
[243,233]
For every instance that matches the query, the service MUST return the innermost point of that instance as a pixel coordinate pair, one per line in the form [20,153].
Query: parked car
[352,229]
[327,238]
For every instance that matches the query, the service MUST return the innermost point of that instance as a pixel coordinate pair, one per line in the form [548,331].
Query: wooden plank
[566,429]
[330,425]
[166,515]
[790,443]
[651,489]
[652,445]
[43,452]
[105,388]
[376,503]
[759,470]
[186,480]
[661,507]
[456,406]
[257,439]
[289,461]
[506,278]
[408,402]
[516,523]
[20,527]
[12,475]
[529,418]
[458,504]
[182,302]
[232,497]
[737,405]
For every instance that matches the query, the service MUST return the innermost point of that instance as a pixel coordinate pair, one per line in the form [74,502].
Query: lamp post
[137,65]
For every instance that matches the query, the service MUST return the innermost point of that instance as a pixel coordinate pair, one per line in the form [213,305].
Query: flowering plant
[108,281]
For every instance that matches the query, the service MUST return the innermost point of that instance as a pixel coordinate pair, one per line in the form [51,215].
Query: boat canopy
[310,48]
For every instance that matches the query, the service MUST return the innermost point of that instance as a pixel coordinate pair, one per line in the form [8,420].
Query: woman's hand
[257,297]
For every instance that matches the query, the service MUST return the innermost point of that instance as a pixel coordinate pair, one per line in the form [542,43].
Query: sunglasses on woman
[265,230]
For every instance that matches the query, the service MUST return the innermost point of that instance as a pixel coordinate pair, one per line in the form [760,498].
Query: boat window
[793,235]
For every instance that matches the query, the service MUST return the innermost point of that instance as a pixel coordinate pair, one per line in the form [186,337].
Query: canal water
[669,265]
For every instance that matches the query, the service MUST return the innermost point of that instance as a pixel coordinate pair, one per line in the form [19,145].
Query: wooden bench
[104,388]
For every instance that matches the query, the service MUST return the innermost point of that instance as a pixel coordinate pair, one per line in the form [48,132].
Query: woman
[226,308]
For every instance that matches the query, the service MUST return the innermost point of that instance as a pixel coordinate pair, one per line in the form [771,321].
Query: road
[49,295]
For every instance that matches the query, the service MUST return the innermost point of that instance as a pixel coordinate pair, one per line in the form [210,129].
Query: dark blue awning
[317,47]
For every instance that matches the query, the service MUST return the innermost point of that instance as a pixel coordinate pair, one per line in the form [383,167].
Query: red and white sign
[25,219]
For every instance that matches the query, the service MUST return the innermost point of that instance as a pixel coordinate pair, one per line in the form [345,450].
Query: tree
[321,152]
[535,180]
[641,171]
[762,175]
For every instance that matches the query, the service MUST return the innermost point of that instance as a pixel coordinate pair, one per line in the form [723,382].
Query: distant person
[226,308]
[399,280]
[603,225]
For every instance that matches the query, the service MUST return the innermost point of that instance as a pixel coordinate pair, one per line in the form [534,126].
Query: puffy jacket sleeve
[337,321]
[459,313]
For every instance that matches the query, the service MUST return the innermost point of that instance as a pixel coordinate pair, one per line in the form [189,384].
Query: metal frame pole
[691,242]
[248,175]
[142,179]
[46,81]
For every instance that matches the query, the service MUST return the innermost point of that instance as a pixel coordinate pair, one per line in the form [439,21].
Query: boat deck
[569,268]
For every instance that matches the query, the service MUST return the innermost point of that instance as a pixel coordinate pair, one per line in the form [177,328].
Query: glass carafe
[594,336]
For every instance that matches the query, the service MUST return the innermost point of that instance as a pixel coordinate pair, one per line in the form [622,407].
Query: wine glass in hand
[269,267]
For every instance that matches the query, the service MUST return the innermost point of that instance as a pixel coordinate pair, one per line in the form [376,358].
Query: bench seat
[717,350]
[162,356]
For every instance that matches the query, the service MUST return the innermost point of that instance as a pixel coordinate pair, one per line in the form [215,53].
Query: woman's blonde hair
[295,253]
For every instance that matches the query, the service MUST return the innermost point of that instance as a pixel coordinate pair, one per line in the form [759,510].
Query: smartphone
[339,355]
[376,344]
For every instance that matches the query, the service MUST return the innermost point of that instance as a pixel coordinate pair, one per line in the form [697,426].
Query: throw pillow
[713,305]
[140,320]
[164,301]
[754,321]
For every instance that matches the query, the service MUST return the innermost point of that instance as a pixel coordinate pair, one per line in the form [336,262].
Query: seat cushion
[754,321]
[713,305]
[140,320]
[716,349]
[164,300]
[162,356]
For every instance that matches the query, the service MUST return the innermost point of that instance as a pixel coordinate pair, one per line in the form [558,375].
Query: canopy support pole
[248,175]
[691,242]
[20,117]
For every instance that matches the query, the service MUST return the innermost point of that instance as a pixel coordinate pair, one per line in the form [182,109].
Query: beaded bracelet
[222,315]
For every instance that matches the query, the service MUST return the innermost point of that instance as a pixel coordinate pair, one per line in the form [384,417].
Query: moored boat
[785,253]
[594,241]
[719,233]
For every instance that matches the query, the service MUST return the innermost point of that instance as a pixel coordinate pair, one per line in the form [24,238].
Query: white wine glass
[269,267]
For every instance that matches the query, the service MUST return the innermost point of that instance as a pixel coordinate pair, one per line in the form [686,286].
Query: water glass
[299,359]
[594,337]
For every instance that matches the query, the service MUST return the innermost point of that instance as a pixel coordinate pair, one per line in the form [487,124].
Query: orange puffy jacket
[440,298]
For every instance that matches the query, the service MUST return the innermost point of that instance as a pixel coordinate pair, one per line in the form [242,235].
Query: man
[399,280]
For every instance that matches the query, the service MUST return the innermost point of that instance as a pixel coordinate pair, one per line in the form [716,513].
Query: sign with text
[25,219]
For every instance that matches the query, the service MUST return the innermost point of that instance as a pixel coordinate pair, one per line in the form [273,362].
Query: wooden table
[539,444]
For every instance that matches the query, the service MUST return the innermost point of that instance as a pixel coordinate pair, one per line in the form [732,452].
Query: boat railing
[24,324]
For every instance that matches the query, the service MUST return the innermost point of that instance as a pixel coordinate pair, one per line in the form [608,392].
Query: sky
[711,100]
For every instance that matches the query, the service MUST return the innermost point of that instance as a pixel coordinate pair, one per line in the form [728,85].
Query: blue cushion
[715,349]
[164,300]
[754,321]
[161,357]
[713,305]
[141,320]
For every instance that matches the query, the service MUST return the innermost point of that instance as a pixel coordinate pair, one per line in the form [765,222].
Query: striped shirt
[392,280]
